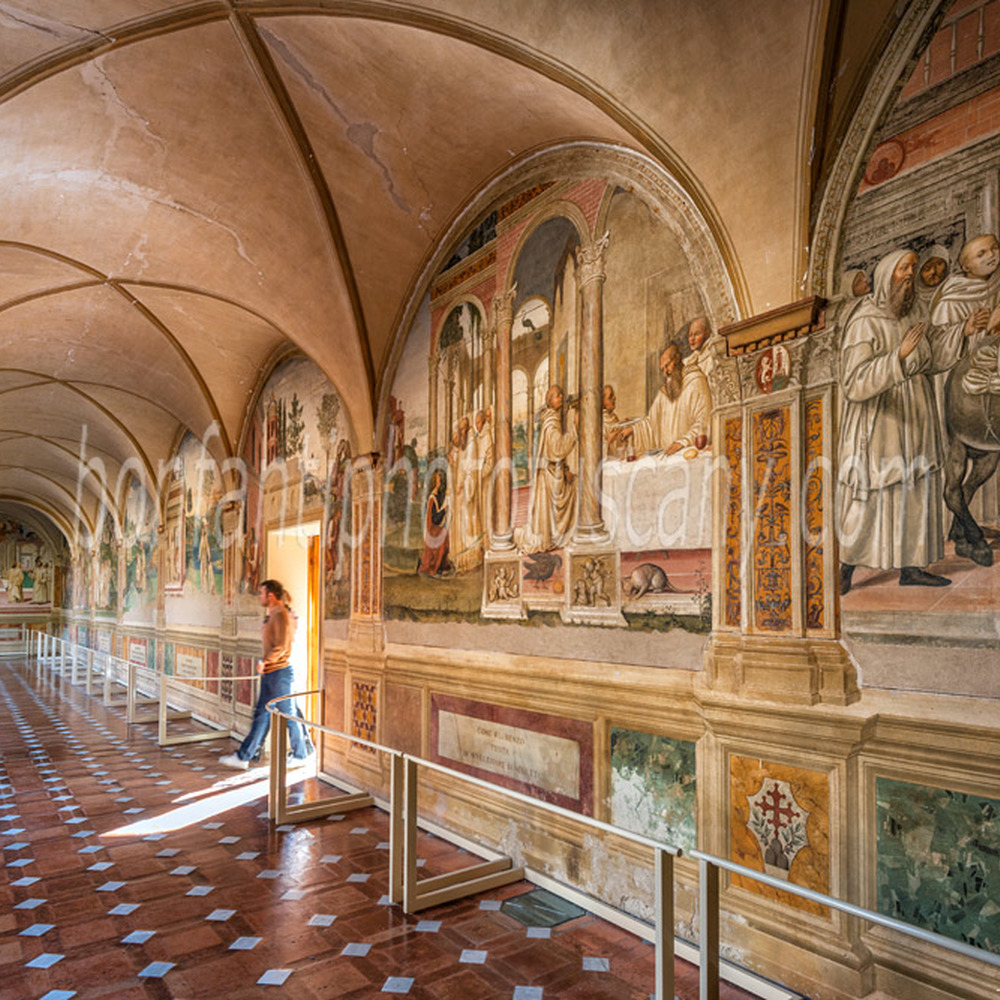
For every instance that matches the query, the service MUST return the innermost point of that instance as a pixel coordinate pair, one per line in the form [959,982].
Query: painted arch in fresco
[539,464]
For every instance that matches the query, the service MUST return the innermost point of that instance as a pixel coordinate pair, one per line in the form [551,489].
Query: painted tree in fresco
[295,429]
[329,410]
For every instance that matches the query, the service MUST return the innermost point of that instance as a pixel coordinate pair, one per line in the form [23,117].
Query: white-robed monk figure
[681,413]
[969,300]
[553,492]
[889,483]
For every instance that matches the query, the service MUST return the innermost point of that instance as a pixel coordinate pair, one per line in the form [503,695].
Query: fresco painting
[140,548]
[299,440]
[27,569]
[105,565]
[918,501]
[938,861]
[553,403]
[654,787]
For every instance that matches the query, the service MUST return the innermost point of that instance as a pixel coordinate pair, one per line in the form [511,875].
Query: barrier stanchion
[278,807]
[134,698]
[664,942]
[708,925]
[397,830]
[165,714]
[421,894]
[89,660]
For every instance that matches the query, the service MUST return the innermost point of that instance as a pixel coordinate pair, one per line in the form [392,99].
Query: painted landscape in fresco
[654,787]
[938,861]
[918,502]
[299,439]
[525,476]
[193,535]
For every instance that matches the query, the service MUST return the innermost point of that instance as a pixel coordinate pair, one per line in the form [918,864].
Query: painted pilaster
[503,535]
[775,552]
[590,281]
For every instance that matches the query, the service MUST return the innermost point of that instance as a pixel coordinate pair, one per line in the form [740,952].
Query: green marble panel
[938,861]
[653,787]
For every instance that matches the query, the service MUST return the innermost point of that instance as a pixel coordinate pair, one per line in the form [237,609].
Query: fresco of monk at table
[918,305]
[27,569]
[548,443]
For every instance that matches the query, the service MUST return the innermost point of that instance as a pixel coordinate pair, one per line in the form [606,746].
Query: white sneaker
[293,763]
[235,762]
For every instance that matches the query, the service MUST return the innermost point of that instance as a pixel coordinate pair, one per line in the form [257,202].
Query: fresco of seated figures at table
[296,455]
[548,452]
[918,501]
[27,569]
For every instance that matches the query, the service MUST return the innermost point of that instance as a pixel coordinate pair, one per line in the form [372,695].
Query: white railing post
[396,829]
[130,692]
[409,834]
[162,712]
[708,923]
[664,877]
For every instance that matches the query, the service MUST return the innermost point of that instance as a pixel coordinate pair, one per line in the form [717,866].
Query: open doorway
[293,557]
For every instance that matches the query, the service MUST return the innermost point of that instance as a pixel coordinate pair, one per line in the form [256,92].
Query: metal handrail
[709,864]
[637,838]
[931,937]
[415,895]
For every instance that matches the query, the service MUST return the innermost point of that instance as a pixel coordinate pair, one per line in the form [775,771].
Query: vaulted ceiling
[192,190]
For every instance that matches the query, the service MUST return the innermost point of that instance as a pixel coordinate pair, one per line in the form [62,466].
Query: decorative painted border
[815,610]
[772,490]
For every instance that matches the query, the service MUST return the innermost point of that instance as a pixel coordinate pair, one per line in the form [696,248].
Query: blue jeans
[274,685]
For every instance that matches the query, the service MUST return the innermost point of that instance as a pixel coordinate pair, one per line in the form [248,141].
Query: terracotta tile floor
[134,872]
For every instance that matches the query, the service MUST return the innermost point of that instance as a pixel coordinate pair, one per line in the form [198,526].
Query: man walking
[276,680]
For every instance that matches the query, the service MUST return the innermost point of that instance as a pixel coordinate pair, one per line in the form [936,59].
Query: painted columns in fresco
[449,399]
[489,340]
[775,559]
[590,281]
[366,550]
[433,363]
[503,535]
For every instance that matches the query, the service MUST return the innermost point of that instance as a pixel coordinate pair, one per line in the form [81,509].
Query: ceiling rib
[260,57]
[119,288]
[39,505]
[20,435]
[93,402]
[75,505]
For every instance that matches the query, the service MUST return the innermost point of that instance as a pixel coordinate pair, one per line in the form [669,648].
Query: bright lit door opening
[293,559]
